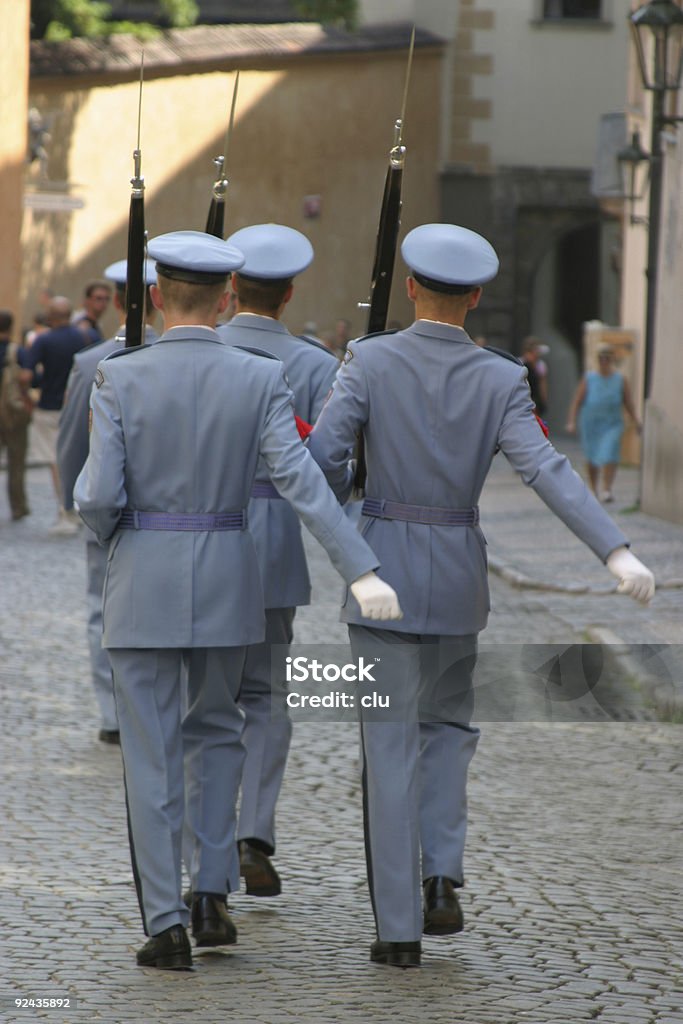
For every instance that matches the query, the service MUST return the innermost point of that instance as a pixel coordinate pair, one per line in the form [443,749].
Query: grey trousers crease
[267,728]
[415,761]
[160,749]
[100,665]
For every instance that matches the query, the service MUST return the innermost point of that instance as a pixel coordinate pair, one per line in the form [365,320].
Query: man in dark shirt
[532,351]
[54,351]
[96,299]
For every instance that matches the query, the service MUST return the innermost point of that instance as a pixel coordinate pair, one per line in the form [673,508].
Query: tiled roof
[216,44]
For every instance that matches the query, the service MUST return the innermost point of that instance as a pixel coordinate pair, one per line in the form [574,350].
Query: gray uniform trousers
[267,728]
[267,732]
[415,758]
[100,665]
[148,698]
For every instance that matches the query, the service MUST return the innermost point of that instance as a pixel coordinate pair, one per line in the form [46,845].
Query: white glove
[634,577]
[376,598]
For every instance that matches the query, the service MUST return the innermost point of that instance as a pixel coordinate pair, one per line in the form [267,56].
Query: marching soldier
[177,432]
[72,451]
[434,408]
[274,255]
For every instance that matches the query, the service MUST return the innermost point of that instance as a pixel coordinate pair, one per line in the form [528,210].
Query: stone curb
[523,582]
[666,703]
[518,579]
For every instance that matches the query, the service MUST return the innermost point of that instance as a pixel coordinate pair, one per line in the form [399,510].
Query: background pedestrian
[533,351]
[53,353]
[15,415]
[599,401]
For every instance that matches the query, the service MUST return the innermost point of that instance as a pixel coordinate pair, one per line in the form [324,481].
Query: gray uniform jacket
[179,427]
[73,439]
[273,523]
[435,408]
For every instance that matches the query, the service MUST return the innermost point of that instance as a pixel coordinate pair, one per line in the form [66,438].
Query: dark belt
[193,522]
[264,489]
[381,509]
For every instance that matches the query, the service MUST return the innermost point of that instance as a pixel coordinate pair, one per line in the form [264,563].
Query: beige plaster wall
[518,91]
[548,83]
[13,139]
[663,440]
[310,127]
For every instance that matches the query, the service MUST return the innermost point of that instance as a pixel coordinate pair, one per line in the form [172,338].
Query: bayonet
[214,223]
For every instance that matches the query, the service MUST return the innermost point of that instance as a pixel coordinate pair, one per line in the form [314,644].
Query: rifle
[135,270]
[385,251]
[214,223]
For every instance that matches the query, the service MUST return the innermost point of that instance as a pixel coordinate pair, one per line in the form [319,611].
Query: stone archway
[573,237]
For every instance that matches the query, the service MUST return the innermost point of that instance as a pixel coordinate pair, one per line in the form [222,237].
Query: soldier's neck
[256,312]
[440,315]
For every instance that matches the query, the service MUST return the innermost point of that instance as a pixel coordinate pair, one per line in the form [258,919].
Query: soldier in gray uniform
[72,451]
[434,409]
[274,254]
[177,431]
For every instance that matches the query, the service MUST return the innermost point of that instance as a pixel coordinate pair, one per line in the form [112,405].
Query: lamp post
[656,26]
[633,161]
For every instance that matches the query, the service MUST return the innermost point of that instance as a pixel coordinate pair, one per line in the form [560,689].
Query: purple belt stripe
[429,515]
[195,523]
[264,489]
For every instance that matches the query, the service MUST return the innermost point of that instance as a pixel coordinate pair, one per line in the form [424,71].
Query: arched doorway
[574,281]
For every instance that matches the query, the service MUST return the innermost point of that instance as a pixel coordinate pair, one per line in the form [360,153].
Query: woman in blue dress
[599,401]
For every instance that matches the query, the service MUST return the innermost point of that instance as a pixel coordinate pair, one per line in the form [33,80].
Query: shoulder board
[123,351]
[375,334]
[257,352]
[503,353]
[93,345]
[310,340]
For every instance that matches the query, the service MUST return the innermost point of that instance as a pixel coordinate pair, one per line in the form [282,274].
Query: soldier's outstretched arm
[301,482]
[99,492]
[344,414]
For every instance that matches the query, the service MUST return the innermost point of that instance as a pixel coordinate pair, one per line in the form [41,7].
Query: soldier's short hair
[258,293]
[186,296]
[6,321]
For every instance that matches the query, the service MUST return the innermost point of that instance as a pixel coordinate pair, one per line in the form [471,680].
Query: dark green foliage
[61,19]
[344,12]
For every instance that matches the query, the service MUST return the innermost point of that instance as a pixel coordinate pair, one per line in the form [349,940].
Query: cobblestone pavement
[573,901]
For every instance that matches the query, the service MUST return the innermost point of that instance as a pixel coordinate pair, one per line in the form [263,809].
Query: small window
[561,10]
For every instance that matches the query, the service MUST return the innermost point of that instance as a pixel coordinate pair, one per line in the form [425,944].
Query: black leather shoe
[442,910]
[256,868]
[396,954]
[211,922]
[109,736]
[169,950]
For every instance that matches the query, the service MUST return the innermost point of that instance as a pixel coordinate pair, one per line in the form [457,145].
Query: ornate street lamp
[634,163]
[657,30]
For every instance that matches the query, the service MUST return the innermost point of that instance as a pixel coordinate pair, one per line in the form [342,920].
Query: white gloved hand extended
[376,598]
[634,578]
